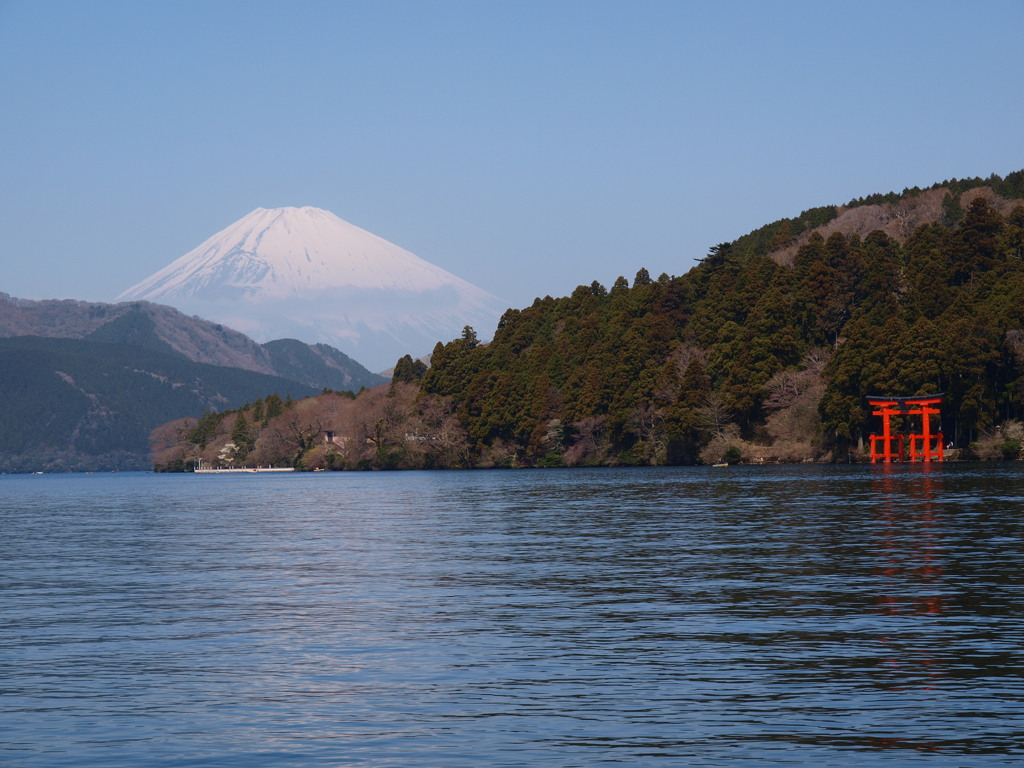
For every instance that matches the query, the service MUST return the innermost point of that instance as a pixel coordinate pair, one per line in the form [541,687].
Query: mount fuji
[304,273]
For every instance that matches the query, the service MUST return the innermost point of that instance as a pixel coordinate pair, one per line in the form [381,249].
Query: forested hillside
[774,360]
[753,354]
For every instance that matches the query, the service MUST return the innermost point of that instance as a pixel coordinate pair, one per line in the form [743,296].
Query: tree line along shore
[766,351]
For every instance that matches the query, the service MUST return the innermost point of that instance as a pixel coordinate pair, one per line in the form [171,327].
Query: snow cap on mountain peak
[277,271]
[278,252]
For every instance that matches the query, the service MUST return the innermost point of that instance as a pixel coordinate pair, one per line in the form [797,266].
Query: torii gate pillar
[921,444]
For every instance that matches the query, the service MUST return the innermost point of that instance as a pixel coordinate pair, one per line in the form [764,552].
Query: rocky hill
[897,215]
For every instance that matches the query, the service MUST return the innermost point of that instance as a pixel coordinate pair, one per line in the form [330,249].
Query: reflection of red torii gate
[906,406]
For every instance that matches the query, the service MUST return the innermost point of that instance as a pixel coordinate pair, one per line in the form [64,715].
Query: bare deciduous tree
[648,422]
[714,418]
[297,429]
[445,439]
[590,444]
[169,444]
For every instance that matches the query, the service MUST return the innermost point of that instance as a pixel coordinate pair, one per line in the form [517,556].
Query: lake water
[784,616]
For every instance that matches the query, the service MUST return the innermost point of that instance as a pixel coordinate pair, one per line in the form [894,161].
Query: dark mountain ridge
[75,404]
[84,383]
[161,328]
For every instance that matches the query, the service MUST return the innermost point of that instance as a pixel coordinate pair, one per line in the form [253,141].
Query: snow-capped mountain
[304,273]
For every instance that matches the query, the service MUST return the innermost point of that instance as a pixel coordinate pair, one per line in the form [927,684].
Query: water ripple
[767,616]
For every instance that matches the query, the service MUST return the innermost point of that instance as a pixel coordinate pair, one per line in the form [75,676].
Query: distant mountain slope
[71,404]
[165,329]
[318,362]
[307,274]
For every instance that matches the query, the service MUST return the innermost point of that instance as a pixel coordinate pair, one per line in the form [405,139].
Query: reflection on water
[763,616]
[910,543]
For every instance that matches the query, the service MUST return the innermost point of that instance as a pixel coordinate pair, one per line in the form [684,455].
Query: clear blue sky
[528,147]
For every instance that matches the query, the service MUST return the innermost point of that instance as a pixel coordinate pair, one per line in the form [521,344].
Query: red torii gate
[920,443]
